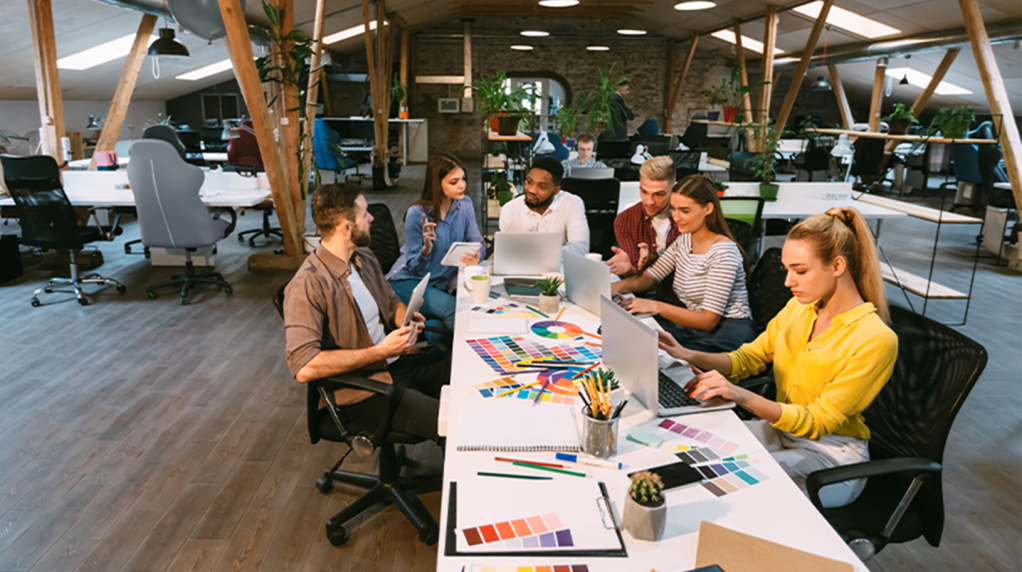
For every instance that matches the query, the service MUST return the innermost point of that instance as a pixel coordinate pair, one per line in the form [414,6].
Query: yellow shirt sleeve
[851,391]
[752,358]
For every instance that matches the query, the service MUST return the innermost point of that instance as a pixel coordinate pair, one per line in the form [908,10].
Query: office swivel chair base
[187,281]
[266,230]
[389,488]
[76,283]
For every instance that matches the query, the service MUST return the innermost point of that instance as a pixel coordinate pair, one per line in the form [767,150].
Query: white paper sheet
[493,324]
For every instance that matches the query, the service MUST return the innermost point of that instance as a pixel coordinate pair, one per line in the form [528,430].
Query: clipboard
[455,252]
[451,544]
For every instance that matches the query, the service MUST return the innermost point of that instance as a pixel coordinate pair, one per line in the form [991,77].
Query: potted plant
[721,187]
[952,122]
[728,94]
[549,298]
[764,163]
[398,93]
[491,91]
[716,98]
[598,100]
[567,120]
[498,192]
[645,514]
[899,119]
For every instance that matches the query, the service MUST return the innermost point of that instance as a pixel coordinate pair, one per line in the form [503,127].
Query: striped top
[714,281]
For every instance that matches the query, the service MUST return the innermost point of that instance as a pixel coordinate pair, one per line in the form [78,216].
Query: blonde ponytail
[844,232]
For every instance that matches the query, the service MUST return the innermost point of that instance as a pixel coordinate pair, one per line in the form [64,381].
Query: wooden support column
[467,56]
[842,98]
[328,107]
[379,85]
[803,65]
[680,83]
[1011,146]
[767,63]
[239,46]
[311,95]
[924,98]
[747,98]
[878,95]
[289,128]
[47,78]
[125,86]
[669,77]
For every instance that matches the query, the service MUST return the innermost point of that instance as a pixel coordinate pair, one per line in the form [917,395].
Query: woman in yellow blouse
[831,350]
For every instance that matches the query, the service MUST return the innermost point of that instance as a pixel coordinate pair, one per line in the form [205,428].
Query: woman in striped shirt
[709,277]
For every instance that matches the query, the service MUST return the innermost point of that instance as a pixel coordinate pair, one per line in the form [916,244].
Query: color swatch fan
[502,353]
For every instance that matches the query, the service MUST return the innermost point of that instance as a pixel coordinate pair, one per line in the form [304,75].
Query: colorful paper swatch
[555,330]
[644,438]
[510,310]
[730,480]
[699,435]
[501,353]
[699,455]
[541,531]
[530,568]
[561,391]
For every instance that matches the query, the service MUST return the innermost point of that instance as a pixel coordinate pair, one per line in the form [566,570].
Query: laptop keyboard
[671,394]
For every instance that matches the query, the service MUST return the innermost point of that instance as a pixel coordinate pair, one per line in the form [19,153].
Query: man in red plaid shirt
[646,229]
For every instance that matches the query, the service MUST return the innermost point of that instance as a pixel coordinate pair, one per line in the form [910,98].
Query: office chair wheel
[228,291]
[127,249]
[83,301]
[184,301]
[152,295]
[337,536]
[36,303]
[400,455]
[324,485]
[121,288]
[430,536]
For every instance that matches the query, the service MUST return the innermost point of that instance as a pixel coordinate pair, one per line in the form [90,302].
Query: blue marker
[588,461]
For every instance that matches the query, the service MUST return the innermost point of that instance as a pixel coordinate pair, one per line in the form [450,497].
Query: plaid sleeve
[626,230]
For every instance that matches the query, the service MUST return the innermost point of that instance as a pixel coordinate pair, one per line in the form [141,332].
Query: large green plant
[952,122]
[766,140]
[397,89]
[730,91]
[598,99]
[567,120]
[500,188]
[900,111]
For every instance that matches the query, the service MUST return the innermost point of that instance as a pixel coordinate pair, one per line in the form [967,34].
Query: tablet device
[675,475]
[416,300]
[457,250]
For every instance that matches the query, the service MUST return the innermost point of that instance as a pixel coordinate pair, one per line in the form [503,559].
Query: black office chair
[767,293]
[48,220]
[740,169]
[695,136]
[601,197]
[387,487]
[618,156]
[656,145]
[909,422]
[385,244]
[750,211]
[814,158]
[685,163]
[868,164]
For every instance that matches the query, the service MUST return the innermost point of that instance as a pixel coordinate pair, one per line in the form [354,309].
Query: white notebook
[515,426]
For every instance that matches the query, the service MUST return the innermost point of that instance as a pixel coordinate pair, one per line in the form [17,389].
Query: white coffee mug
[595,256]
[479,287]
[471,271]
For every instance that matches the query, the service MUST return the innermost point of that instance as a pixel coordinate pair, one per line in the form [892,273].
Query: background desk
[774,509]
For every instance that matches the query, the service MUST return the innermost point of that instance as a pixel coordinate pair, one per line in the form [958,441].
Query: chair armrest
[234,218]
[912,466]
[327,386]
[334,383]
[757,382]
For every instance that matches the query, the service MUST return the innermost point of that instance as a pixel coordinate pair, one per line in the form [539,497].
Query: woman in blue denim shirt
[443,216]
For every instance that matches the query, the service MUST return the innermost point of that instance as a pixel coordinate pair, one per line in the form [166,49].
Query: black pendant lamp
[821,83]
[167,45]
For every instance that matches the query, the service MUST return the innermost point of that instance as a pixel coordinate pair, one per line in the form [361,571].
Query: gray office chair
[170,212]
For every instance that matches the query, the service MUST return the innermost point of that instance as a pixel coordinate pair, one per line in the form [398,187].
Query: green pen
[537,311]
[551,469]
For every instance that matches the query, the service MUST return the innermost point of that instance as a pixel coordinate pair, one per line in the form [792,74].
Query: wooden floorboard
[142,435]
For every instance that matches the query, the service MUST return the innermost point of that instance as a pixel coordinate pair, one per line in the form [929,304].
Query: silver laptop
[631,350]
[592,173]
[585,281]
[526,253]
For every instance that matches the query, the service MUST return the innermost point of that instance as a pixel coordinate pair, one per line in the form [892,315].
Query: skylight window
[846,20]
[747,42]
[100,54]
[206,71]
[921,80]
[350,32]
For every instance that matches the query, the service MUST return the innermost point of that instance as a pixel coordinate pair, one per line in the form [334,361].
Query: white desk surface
[774,509]
[97,189]
[794,200]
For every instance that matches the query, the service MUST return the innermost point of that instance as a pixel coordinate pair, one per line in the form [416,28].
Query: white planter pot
[643,522]
[549,304]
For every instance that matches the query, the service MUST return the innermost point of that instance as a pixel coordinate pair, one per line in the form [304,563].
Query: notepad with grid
[515,426]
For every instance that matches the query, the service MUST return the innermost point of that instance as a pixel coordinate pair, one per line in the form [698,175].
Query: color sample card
[732,482]
[644,438]
[555,330]
[530,568]
[540,531]
[698,455]
[501,353]
[510,310]
[561,391]
[704,437]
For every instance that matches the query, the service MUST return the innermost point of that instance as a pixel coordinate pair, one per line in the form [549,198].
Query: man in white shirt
[544,207]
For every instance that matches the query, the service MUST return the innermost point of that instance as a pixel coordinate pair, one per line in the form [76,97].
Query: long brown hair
[440,165]
[843,231]
[701,190]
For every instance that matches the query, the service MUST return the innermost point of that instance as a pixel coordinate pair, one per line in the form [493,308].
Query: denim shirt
[459,226]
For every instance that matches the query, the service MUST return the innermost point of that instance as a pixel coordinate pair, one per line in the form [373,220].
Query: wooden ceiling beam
[312,96]
[842,97]
[681,82]
[51,101]
[803,65]
[747,97]
[878,95]
[769,42]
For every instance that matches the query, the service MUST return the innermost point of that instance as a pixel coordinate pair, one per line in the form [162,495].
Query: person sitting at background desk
[709,278]
[441,217]
[544,207]
[831,349]
[585,144]
[341,316]
[647,223]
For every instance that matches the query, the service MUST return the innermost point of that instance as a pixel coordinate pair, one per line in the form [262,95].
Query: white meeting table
[773,509]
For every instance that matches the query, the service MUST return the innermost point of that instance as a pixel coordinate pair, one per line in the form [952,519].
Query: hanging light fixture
[167,45]
[93,123]
[558,3]
[821,83]
[534,28]
[904,79]
[632,27]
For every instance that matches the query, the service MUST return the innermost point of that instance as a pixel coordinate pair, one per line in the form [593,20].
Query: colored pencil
[593,335]
[559,313]
[584,371]
[542,388]
[510,391]
[537,311]
[513,476]
[551,465]
[552,470]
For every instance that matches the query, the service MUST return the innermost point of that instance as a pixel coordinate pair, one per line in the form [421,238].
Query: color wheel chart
[530,568]
[501,353]
[555,330]
[540,531]
[561,389]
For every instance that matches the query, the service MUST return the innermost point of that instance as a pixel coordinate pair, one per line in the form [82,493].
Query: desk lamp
[842,149]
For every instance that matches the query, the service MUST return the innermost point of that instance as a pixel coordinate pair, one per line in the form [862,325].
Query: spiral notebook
[515,426]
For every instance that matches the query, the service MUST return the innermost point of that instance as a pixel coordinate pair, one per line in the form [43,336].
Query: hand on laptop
[709,384]
[639,305]
[670,345]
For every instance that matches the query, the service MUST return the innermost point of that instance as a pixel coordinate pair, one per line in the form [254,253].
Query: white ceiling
[81,24]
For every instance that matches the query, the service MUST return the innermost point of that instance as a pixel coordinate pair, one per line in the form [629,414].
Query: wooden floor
[140,435]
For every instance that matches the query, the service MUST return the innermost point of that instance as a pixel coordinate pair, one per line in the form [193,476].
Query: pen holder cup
[599,437]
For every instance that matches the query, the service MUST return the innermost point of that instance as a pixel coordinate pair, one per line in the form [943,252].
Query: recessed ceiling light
[100,54]
[598,48]
[203,72]
[558,3]
[846,20]
[631,32]
[521,48]
[747,42]
[695,5]
[534,28]
[535,33]
[919,79]
[632,27]
[351,32]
